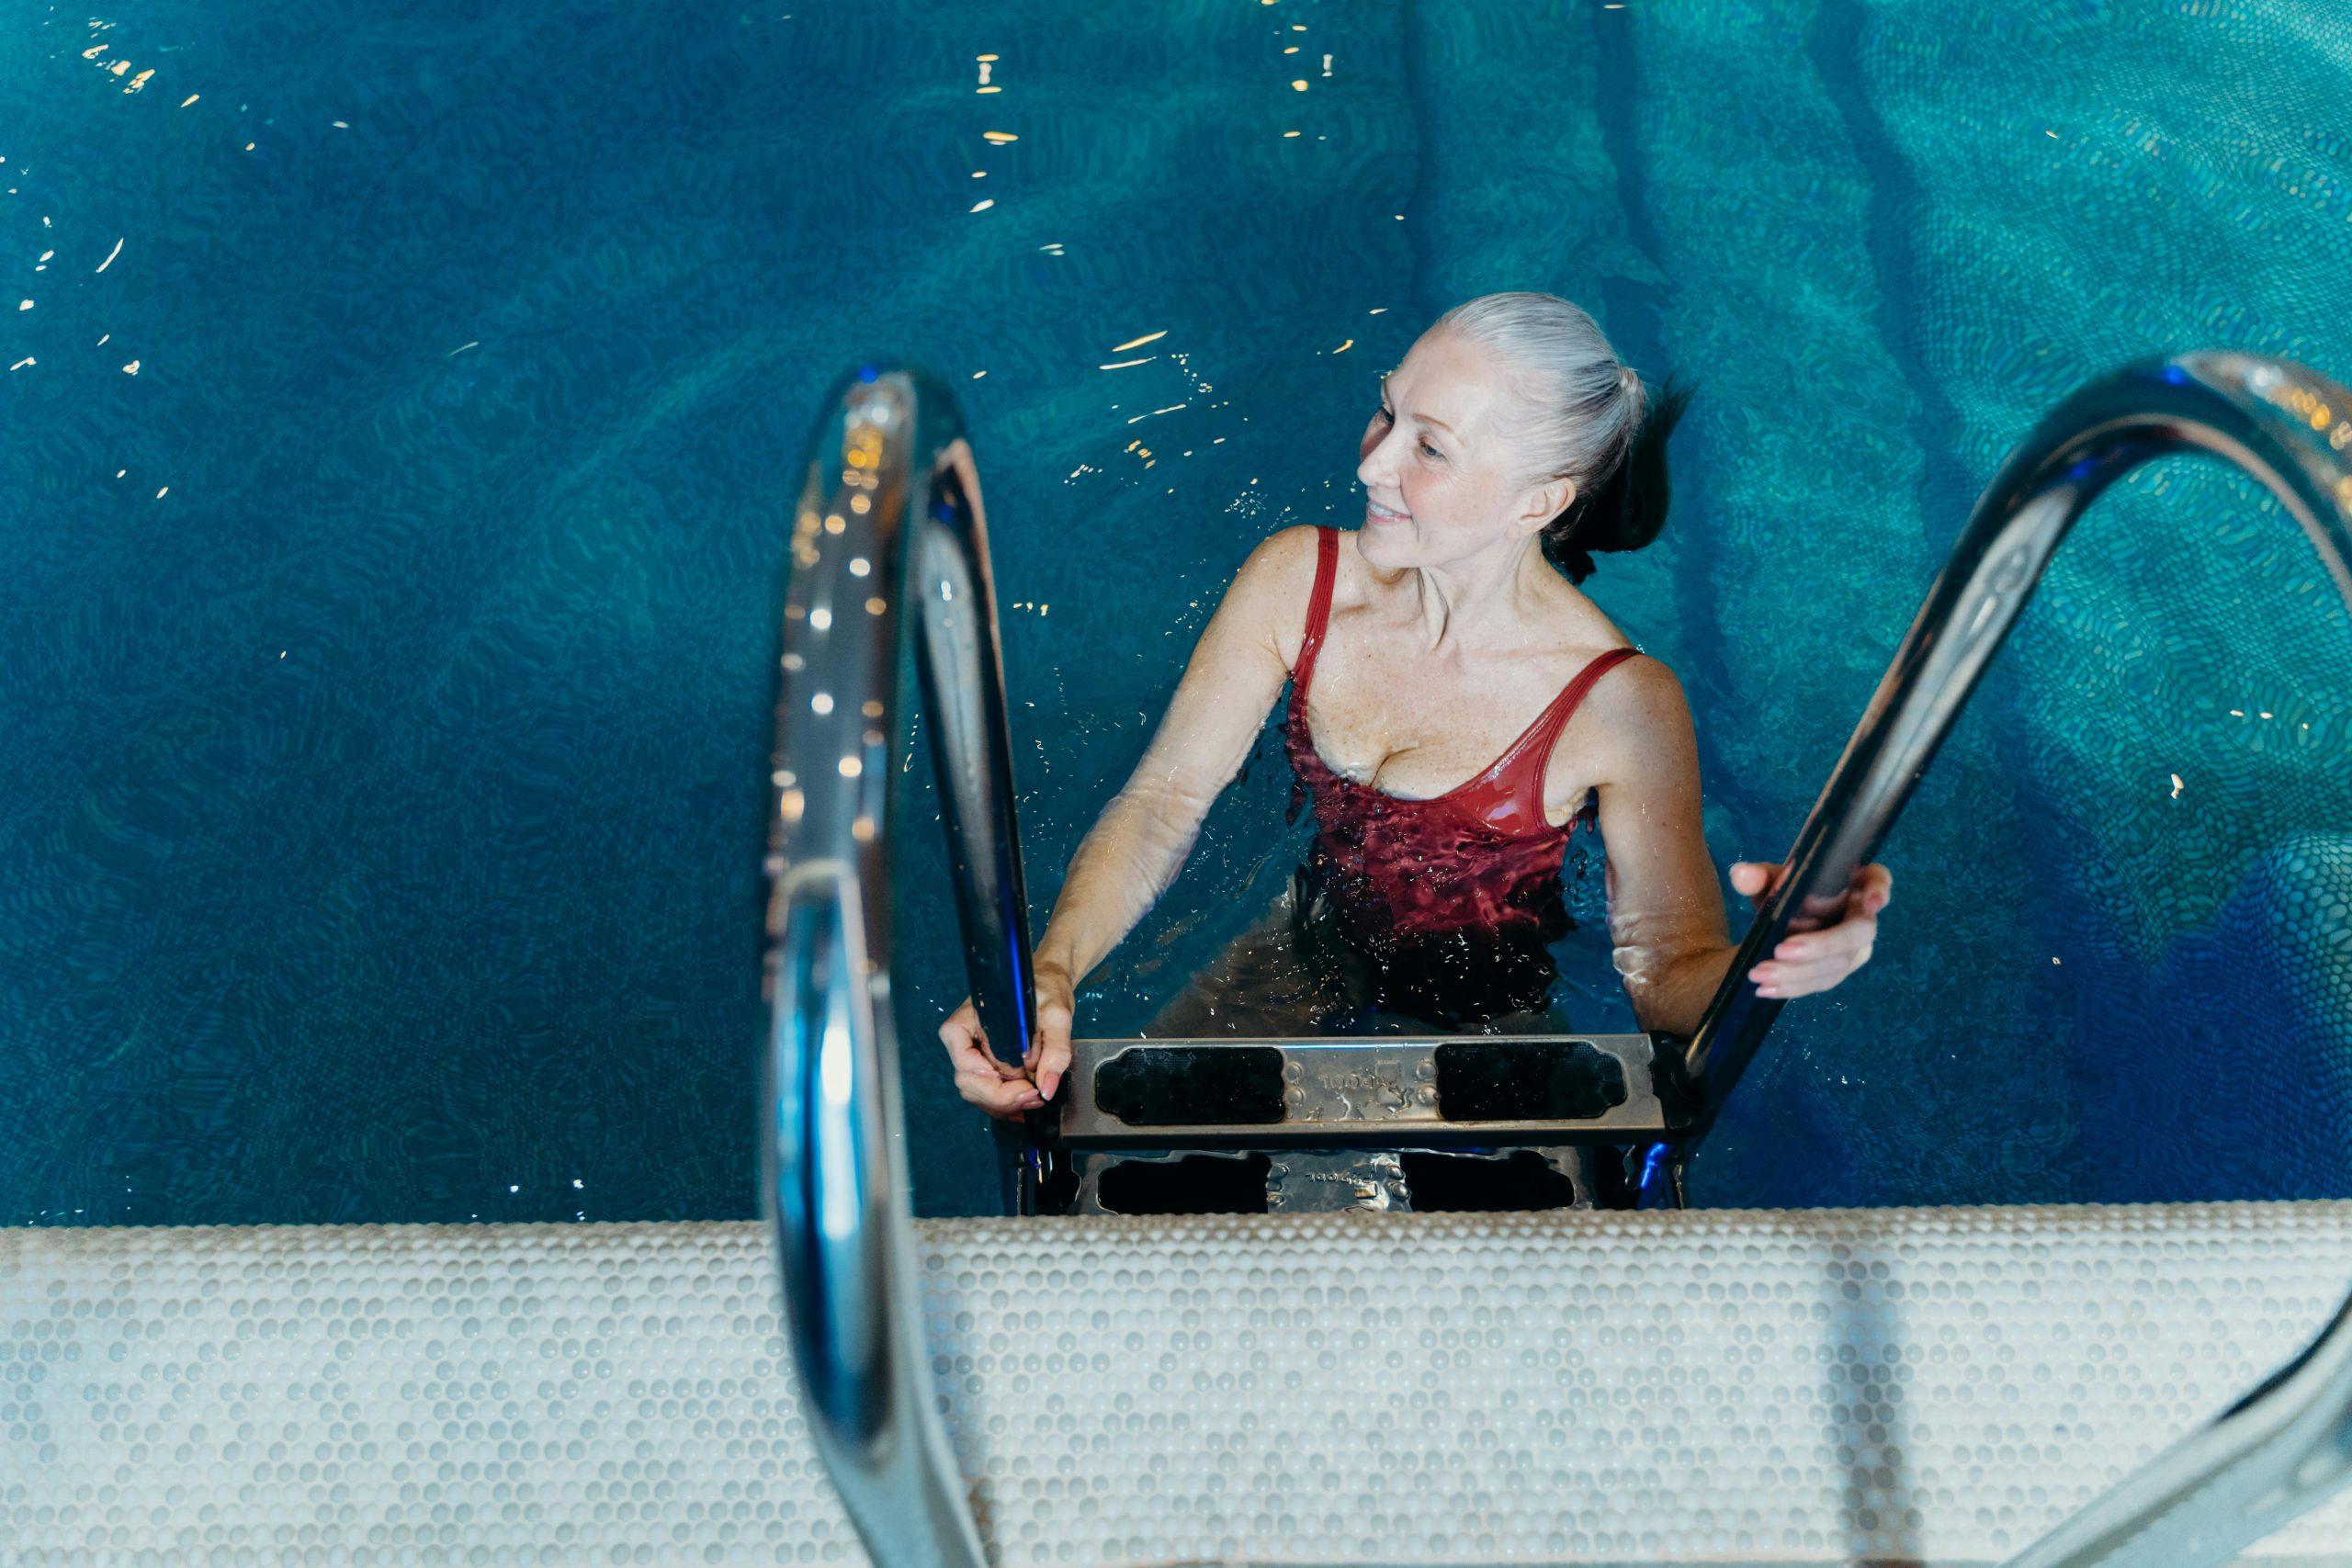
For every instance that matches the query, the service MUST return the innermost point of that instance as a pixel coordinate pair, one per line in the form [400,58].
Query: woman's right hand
[1000,1087]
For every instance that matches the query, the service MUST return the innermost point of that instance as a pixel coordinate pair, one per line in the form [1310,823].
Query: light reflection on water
[392,510]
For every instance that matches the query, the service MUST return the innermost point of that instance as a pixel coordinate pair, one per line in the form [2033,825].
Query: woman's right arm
[1141,840]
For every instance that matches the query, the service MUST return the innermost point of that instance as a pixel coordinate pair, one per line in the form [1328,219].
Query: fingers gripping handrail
[889,515]
[2289,1445]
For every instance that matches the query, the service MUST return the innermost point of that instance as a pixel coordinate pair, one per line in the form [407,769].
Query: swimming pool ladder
[890,516]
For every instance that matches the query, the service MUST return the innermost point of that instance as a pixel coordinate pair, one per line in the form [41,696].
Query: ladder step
[1373,1092]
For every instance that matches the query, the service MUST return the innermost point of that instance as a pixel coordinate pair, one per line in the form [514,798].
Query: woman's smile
[1376,512]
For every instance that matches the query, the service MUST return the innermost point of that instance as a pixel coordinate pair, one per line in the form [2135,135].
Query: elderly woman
[1456,707]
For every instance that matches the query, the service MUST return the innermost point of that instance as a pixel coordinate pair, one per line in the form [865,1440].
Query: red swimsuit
[1439,889]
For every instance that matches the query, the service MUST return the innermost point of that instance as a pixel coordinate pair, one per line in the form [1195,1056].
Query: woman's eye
[1383,414]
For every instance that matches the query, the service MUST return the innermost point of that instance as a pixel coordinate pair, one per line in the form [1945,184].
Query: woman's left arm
[1665,909]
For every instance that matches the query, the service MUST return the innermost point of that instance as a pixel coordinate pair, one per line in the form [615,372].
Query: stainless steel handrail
[2278,1452]
[889,515]
[2289,1445]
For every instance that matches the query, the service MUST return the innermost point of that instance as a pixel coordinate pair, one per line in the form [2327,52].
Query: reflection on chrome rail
[2289,1445]
[890,516]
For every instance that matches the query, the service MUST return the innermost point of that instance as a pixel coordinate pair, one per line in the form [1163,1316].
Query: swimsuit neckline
[1496,774]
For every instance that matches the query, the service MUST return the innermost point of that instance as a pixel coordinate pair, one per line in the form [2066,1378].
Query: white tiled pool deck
[1935,1386]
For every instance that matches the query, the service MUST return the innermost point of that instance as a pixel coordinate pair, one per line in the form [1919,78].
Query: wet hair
[1585,415]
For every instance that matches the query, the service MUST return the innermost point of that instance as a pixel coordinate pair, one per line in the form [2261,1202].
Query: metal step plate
[1373,1091]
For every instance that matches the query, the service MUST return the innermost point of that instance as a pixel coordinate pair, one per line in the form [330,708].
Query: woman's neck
[1471,601]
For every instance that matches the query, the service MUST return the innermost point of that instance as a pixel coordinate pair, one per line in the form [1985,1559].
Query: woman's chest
[1421,729]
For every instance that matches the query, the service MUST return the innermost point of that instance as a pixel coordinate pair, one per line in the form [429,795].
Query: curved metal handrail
[889,515]
[2289,1444]
[2278,1452]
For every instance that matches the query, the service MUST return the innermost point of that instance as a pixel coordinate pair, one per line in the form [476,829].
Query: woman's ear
[1545,501]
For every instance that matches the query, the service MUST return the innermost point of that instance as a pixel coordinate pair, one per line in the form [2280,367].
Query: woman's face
[1437,467]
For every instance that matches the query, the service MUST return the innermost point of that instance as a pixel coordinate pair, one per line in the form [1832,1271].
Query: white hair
[1579,407]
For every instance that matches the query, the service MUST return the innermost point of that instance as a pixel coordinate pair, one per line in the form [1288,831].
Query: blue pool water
[392,528]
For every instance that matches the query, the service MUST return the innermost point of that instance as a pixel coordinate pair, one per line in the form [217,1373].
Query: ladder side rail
[888,516]
[2285,424]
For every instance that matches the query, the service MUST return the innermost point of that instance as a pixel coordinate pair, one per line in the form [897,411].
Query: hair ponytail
[1628,508]
[1588,418]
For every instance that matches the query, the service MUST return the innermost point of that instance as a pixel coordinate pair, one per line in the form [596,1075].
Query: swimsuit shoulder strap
[1532,754]
[1318,611]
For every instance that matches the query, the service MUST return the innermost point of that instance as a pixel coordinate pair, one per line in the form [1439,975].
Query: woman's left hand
[1812,960]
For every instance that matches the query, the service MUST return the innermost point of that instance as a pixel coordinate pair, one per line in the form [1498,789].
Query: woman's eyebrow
[1424,419]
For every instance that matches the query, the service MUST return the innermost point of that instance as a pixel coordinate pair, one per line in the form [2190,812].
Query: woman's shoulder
[1641,683]
[1280,569]
[1634,678]
[1634,714]
[1265,605]
[1285,553]
[1582,633]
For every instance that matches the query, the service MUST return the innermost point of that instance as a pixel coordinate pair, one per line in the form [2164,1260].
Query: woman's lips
[1376,512]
